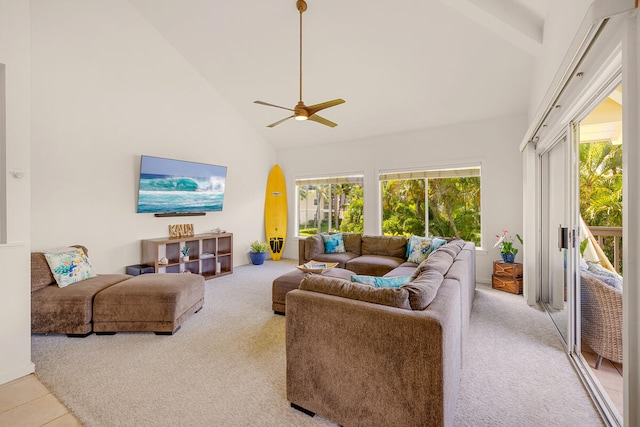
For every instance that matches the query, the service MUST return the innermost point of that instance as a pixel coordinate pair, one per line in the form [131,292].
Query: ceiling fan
[301,111]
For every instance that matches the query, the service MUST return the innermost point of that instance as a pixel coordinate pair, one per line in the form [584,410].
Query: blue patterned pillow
[419,248]
[333,243]
[381,282]
[69,267]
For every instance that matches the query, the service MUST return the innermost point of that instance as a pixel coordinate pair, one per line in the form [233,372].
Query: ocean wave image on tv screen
[162,193]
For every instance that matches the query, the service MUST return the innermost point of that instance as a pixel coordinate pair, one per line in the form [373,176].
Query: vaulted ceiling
[399,64]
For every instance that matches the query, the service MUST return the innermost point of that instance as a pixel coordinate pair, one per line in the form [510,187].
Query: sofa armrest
[359,363]
[301,243]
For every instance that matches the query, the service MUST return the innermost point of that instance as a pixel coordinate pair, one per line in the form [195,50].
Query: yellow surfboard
[275,212]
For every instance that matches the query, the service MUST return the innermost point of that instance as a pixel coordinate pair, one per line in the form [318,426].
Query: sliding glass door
[555,190]
[581,228]
[598,344]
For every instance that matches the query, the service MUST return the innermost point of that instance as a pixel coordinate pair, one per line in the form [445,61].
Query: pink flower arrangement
[505,241]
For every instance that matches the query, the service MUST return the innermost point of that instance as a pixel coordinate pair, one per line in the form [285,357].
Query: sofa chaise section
[67,310]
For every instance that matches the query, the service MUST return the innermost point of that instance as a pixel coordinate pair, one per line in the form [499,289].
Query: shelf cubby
[217,248]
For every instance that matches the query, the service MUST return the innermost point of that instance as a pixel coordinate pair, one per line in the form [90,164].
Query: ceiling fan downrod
[301,111]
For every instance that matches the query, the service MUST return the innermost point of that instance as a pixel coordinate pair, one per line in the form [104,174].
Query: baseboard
[20,372]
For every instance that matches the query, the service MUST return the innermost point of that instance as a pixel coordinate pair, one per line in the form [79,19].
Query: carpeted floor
[226,366]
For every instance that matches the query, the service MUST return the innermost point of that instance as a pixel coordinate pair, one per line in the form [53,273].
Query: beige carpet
[226,366]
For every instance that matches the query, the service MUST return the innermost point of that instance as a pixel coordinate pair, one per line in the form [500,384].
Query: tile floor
[26,402]
[609,375]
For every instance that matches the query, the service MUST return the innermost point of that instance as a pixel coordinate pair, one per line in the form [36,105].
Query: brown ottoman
[290,281]
[157,303]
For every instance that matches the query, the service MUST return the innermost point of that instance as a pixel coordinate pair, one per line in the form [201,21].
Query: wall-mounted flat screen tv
[168,186]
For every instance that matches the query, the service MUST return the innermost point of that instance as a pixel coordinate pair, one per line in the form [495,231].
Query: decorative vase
[185,258]
[257,258]
[510,258]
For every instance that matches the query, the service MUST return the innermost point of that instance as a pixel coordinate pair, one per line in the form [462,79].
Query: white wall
[560,26]
[493,143]
[107,88]
[15,305]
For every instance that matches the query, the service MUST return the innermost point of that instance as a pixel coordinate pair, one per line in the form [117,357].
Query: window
[443,202]
[330,204]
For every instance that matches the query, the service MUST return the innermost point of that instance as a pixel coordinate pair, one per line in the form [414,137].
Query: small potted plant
[185,253]
[507,251]
[258,252]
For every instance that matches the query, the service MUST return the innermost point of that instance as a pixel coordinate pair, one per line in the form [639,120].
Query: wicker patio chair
[601,326]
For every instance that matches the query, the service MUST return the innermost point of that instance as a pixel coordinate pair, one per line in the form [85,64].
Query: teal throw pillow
[381,282]
[69,267]
[333,243]
[367,280]
[419,248]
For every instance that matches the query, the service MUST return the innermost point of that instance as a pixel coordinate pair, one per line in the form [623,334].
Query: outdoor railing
[610,238]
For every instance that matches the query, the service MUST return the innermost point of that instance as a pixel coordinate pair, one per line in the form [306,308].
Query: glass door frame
[572,339]
[546,229]
[575,349]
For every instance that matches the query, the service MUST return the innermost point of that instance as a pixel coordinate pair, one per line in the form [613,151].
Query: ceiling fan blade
[279,121]
[316,118]
[312,109]
[272,105]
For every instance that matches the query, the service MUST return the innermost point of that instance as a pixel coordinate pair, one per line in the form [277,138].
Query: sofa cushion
[439,261]
[405,269]
[374,265]
[69,267]
[393,246]
[41,276]
[342,259]
[313,246]
[419,248]
[333,243]
[393,297]
[353,242]
[453,247]
[424,288]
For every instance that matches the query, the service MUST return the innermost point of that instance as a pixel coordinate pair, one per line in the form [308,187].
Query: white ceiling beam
[506,19]
[616,95]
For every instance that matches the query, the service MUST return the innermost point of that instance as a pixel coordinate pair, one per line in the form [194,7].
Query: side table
[507,277]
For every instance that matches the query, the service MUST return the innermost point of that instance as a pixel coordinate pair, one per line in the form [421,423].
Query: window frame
[455,170]
[335,179]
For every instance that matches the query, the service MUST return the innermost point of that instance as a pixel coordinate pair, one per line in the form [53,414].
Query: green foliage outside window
[330,207]
[601,188]
[453,207]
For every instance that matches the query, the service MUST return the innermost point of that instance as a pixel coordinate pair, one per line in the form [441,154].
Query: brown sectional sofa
[368,255]
[154,302]
[366,356]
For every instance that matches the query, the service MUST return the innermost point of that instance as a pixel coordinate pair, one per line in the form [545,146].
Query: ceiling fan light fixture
[300,112]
